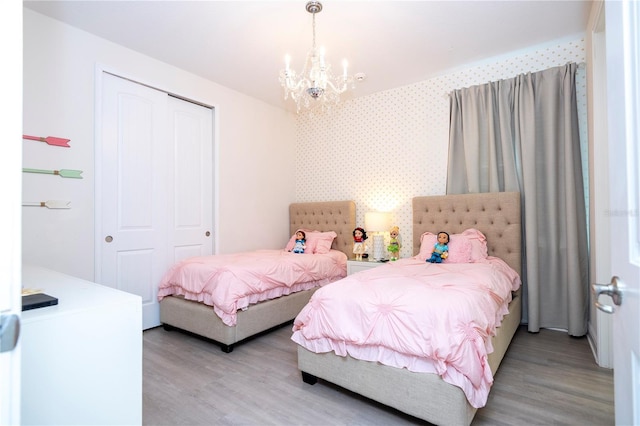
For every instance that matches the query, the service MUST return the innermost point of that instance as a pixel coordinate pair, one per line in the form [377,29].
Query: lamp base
[379,252]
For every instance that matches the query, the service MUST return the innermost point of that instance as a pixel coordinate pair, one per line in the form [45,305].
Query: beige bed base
[427,396]
[200,319]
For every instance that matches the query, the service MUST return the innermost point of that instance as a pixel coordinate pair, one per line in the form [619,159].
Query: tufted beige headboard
[337,216]
[496,215]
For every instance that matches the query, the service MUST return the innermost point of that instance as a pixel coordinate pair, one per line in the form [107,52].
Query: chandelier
[315,87]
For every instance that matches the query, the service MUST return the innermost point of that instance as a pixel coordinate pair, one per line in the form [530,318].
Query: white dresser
[82,358]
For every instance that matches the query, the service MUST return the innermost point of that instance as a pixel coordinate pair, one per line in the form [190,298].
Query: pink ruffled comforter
[433,318]
[234,281]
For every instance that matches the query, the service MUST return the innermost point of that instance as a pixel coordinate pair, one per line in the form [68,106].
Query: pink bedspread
[433,318]
[231,282]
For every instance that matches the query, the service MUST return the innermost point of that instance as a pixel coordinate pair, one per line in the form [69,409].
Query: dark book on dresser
[38,300]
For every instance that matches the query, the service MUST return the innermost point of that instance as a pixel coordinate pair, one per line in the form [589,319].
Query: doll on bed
[395,243]
[359,237]
[441,248]
[300,244]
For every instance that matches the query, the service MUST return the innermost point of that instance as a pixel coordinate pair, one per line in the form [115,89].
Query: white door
[191,220]
[10,273]
[10,225]
[623,91]
[154,168]
[131,174]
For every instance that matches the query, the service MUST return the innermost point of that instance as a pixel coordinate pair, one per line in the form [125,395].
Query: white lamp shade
[377,221]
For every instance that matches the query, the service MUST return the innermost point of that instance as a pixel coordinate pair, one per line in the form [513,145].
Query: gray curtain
[522,135]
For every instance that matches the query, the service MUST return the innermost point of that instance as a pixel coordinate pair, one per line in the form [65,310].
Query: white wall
[384,149]
[254,147]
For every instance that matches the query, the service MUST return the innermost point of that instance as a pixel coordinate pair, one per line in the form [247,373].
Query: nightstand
[354,266]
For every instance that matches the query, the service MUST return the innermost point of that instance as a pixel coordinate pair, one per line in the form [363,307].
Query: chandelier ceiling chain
[315,87]
[313,12]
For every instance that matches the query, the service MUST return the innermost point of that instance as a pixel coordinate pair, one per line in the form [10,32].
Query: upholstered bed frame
[427,396]
[200,319]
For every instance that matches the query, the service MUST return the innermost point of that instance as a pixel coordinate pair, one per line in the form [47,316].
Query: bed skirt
[200,319]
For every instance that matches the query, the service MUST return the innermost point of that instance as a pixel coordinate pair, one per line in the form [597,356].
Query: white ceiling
[242,44]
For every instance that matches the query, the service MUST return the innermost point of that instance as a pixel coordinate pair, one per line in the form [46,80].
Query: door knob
[612,290]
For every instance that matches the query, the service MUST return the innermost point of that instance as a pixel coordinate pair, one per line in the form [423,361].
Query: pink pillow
[317,242]
[323,241]
[466,247]
[478,244]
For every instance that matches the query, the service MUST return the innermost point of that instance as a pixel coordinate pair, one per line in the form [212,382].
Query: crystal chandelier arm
[342,83]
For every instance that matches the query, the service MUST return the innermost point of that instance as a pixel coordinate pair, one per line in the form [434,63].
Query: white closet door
[192,178]
[147,139]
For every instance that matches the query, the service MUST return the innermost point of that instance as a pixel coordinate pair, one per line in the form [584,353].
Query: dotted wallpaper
[386,148]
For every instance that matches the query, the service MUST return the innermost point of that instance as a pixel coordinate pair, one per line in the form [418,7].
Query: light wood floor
[547,378]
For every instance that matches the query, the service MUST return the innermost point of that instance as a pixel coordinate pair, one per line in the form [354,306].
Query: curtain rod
[580,66]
